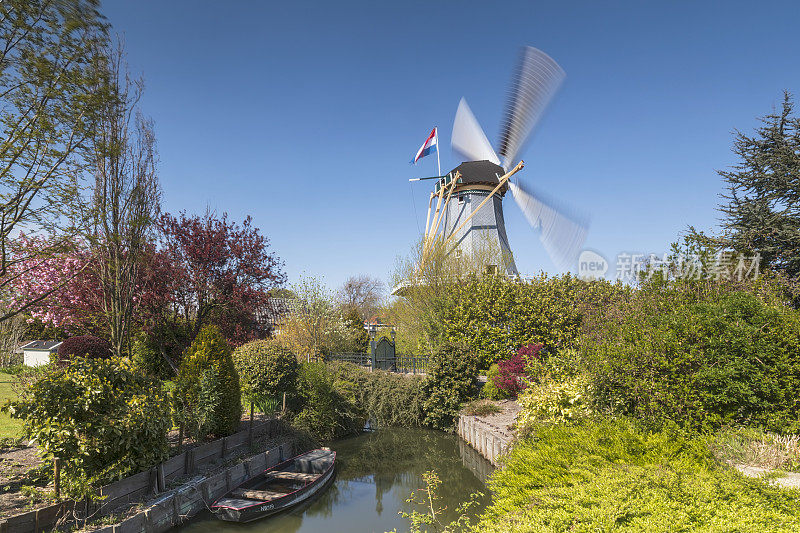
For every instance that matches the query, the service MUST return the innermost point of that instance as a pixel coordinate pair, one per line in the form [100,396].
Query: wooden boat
[278,488]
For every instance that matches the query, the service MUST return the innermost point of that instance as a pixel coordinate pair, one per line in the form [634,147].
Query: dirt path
[503,421]
[15,465]
[790,480]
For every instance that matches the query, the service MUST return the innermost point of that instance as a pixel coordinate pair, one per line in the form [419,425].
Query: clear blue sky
[305,115]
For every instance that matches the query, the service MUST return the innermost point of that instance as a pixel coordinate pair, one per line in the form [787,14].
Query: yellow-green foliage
[494,315]
[328,409]
[384,398]
[489,389]
[208,385]
[552,402]
[611,476]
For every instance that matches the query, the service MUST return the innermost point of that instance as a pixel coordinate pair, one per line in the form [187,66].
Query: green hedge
[385,398]
[702,356]
[267,369]
[493,316]
[328,409]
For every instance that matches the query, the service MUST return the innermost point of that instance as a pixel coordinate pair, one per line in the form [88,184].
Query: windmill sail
[562,233]
[535,81]
[468,138]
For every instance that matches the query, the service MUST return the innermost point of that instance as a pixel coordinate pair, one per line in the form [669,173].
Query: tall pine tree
[762,204]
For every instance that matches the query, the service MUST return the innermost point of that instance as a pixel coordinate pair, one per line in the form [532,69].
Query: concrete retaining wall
[485,439]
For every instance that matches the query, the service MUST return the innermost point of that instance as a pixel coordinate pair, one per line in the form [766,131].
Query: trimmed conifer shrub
[207,387]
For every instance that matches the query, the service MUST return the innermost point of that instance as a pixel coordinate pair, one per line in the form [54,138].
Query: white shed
[36,353]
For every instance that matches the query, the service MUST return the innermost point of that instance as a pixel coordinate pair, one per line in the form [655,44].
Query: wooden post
[451,187]
[428,218]
[180,437]
[57,476]
[283,409]
[162,486]
[250,429]
[154,481]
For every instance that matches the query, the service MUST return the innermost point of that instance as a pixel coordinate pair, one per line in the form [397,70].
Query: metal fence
[412,364]
[360,359]
[404,363]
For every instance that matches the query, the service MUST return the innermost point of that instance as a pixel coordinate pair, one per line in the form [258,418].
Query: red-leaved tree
[224,271]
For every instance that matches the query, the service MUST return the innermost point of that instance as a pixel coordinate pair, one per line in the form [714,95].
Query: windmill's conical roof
[480,173]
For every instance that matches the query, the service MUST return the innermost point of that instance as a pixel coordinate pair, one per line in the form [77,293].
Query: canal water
[375,475]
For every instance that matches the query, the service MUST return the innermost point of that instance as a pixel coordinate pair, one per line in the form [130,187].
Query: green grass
[612,476]
[10,428]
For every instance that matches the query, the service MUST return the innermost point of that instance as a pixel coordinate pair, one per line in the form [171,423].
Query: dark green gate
[383,355]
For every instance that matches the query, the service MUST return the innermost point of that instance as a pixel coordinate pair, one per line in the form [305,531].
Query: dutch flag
[428,147]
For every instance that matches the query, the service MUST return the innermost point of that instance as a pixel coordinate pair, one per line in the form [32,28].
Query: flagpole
[438,164]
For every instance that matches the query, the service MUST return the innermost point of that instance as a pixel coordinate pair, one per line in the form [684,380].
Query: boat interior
[287,478]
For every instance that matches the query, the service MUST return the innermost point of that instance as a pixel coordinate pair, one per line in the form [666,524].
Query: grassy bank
[9,428]
[610,475]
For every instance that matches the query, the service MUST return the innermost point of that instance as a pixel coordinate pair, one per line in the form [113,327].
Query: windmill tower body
[484,235]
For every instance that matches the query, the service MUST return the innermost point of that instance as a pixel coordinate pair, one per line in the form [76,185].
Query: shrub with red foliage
[512,370]
[84,346]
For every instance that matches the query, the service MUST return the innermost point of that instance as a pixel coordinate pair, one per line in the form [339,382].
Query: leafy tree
[267,370]
[223,273]
[69,280]
[359,338]
[102,419]
[208,386]
[47,112]
[762,202]
[316,327]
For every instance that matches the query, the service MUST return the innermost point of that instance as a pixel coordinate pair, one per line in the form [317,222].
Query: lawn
[8,427]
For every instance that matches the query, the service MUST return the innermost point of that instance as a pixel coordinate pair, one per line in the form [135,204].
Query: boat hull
[248,512]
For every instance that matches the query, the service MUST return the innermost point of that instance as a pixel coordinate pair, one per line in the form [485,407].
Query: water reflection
[375,474]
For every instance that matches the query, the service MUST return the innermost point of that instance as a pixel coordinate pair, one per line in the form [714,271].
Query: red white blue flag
[428,147]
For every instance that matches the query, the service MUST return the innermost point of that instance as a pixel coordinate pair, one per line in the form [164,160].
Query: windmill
[469,199]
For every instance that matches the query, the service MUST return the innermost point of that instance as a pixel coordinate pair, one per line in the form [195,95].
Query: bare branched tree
[363,294]
[126,198]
